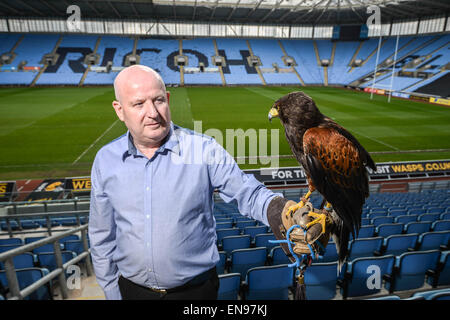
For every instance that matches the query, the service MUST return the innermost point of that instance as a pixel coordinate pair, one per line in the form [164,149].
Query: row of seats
[42,223]
[359,277]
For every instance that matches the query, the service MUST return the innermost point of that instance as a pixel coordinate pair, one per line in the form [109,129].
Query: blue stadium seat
[47,259]
[231,243]
[366,232]
[221,233]
[388,229]
[431,217]
[268,283]
[46,248]
[28,276]
[320,281]
[442,225]
[417,227]
[244,259]
[10,241]
[399,243]
[229,286]
[436,210]
[382,220]
[396,213]
[4,248]
[262,240]
[445,216]
[243,224]
[441,275]
[254,230]
[22,261]
[277,256]
[410,269]
[74,245]
[221,265]
[364,276]
[364,247]
[434,240]
[330,254]
[406,219]
[224,225]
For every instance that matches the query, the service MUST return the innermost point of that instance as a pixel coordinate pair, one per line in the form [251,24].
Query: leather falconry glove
[280,220]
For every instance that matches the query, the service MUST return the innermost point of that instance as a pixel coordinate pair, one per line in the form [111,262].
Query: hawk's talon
[294,208]
[320,218]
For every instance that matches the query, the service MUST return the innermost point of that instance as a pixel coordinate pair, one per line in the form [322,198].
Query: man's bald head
[132,76]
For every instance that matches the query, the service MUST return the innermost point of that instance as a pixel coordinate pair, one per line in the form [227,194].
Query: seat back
[364,247]
[412,267]
[442,225]
[244,259]
[365,275]
[417,227]
[220,266]
[21,261]
[406,219]
[330,254]
[433,240]
[388,229]
[269,282]
[235,242]
[320,281]
[366,232]
[278,256]
[28,276]
[229,286]
[10,241]
[400,243]
[221,233]
[262,240]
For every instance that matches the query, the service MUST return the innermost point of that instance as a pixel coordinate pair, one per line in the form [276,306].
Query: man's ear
[119,110]
[168,97]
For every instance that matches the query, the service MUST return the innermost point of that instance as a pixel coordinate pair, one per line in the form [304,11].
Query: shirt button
[148,244]
[148,216]
[149,270]
[148,188]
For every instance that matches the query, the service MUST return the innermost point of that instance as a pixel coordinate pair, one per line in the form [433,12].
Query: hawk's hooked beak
[273,113]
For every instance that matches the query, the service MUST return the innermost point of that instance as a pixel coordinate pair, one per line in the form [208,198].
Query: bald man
[151,226]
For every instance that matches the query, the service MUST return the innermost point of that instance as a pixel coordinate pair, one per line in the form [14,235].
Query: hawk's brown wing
[334,165]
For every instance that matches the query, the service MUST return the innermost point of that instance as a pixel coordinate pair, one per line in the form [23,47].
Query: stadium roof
[232,11]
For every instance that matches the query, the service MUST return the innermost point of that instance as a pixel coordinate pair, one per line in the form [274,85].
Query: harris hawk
[334,162]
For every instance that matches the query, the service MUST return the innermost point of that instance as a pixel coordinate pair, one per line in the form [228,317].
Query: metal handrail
[10,270]
[46,215]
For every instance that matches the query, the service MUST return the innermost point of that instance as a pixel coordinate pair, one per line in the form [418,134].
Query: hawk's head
[296,108]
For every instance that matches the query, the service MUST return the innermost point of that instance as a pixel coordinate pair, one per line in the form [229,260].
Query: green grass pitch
[56,132]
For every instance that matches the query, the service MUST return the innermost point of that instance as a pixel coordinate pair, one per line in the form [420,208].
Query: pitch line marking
[93,143]
[376,140]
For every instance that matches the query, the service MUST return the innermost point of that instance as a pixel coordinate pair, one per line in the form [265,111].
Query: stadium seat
[410,269]
[22,261]
[241,225]
[417,227]
[221,265]
[10,241]
[320,280]
[46,248]
[330,254]
[364,247]
[382,220]
[441,275]
[398,244]
[406,219]
[277,256]
[364,276]
[365,232]
[396,213]
[431,217]
[244,259]
[229,286]
[268,283]
[254,230]
[4,248]
[434,240]
[388,229]
[221,233]
[442,225]
[28,276]
[262,240]
[74,245]
[47,259]
[436,210]
[224,225]
[231,243]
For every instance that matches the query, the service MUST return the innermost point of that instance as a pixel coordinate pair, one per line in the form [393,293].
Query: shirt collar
[170,143]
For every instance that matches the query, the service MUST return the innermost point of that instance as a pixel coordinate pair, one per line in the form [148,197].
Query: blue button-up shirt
[151,220]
